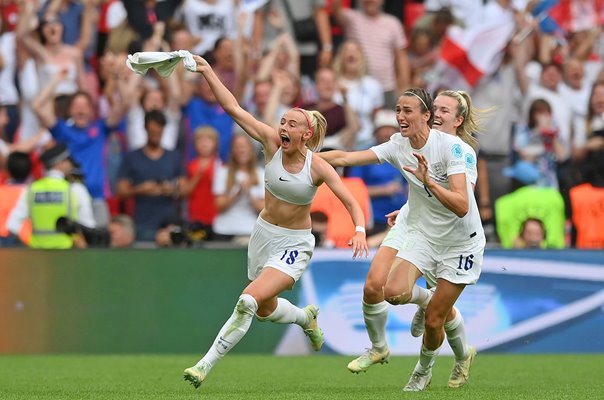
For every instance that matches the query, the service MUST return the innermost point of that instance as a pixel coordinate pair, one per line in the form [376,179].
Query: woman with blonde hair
[361,92]
[238,188]
[281,244]
[438,225]
[200,176]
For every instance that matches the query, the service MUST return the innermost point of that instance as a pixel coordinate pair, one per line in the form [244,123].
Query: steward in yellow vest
[50,198]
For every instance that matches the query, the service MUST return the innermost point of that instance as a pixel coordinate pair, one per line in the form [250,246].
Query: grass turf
[313,377]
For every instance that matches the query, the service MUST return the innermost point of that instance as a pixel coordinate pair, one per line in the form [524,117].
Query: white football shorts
[459,264]
[287,250]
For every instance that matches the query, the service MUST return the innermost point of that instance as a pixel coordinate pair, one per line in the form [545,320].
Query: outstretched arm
[328,175]
[339,158]
[256,129]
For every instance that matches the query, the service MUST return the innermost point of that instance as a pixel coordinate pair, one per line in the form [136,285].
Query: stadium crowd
[161,163]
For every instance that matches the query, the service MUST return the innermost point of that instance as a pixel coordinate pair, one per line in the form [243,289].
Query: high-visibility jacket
[49,199]
[545,204]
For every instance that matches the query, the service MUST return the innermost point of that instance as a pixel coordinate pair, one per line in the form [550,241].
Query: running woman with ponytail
[453,114]
[443,236]
[281,244]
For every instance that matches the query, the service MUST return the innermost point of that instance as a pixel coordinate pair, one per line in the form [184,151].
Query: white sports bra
[291,188]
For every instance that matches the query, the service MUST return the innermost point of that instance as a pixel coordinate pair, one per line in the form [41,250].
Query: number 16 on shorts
[467,264]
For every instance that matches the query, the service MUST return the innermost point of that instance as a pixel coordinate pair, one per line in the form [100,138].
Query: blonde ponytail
[319,127]
[471,120]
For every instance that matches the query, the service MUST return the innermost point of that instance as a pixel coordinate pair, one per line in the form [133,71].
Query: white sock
[232,331]
[287,313]
[420,296]
[456,336]
[375,316]
[426,360]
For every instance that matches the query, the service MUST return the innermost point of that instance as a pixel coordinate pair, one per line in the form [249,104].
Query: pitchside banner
[524,302]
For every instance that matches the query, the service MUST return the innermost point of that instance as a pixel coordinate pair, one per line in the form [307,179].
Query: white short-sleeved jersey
[446,156]
[396,234]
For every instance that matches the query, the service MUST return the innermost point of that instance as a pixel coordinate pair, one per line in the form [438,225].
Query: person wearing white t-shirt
[239,191]
[208,20]
[442,214]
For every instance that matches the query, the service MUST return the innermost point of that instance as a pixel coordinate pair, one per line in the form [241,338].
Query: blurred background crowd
[152,161]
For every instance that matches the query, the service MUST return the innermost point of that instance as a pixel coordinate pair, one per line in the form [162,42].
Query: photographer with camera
[50,198]
[176,232]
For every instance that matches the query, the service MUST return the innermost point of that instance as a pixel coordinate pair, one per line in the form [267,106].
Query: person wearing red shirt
[200,175]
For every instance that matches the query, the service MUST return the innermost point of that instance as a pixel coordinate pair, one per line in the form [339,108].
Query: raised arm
[324,27]
[24,27]
[339,158]
[338,12]
[328,175]
[43,104]
[256,129]
[89,23]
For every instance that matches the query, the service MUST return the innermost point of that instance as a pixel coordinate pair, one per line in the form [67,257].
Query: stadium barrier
[175,301]
[123,301]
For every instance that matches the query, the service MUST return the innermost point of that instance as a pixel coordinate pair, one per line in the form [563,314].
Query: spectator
[548,90]
[315,49]
[532,235]
[9,96]
[575,87]
[200,177]
[285,93]
[538,143]
[202,109]
[152,176]
[166,99]
[143,15]
[72,16]
[500,91]
[48,199]
[208,20]
[587,207]
[543,203]
[588,135]
[386,186]
[342,123]
[282,56]
[52,54]
[466,13]
[84,135]
[18,166]
[122,231]
[239,191]
[223,58]
[363,93]
[320,222]
[423,55]
[384,43]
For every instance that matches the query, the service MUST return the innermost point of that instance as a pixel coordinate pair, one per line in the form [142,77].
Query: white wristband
[359,228]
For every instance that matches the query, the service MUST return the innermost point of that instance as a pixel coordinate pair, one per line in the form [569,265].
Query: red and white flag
[468,54]
[578,15]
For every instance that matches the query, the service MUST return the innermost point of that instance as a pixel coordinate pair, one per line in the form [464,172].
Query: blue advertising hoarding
[528,302]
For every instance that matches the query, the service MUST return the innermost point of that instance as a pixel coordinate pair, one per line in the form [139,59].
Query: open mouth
[404,126]
[437,122]
[284,139]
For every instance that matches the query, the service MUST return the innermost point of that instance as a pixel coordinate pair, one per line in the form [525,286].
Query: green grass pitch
[318,377]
